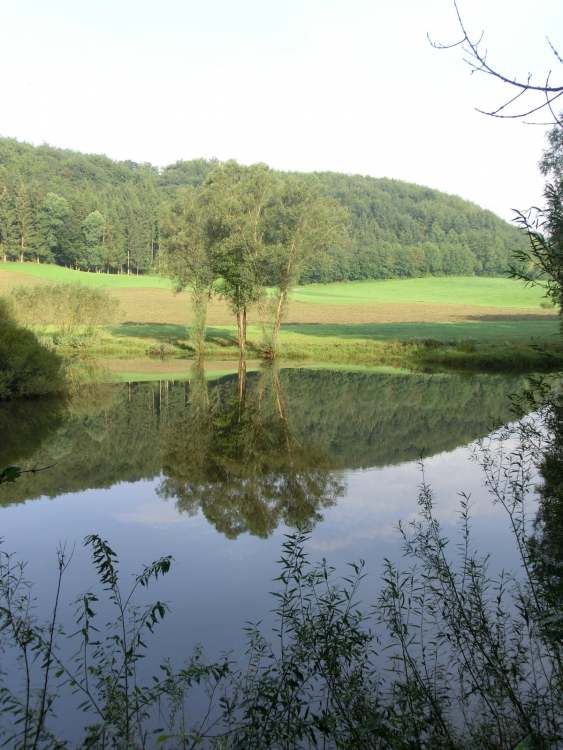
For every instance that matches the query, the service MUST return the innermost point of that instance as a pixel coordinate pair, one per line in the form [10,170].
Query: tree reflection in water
[106,434]
[235,455]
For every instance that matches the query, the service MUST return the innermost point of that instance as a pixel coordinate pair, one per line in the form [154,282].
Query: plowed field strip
[161,306]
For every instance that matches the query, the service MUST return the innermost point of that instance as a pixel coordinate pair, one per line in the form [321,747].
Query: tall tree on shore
[186,255]
[301,226]
[238,199]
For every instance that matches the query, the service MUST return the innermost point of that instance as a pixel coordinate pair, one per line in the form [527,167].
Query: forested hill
[87,211]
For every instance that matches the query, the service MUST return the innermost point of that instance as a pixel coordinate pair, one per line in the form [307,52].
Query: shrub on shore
[69,307]
[27,368]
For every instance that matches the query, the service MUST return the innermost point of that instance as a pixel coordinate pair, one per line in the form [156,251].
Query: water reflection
[24,426]
[248,451]
[237,456]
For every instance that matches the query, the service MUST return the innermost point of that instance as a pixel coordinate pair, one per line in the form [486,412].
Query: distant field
[441,290]
[150,299]
[445,290]
[52,273]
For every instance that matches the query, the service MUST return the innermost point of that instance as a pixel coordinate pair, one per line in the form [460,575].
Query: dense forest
[92,213]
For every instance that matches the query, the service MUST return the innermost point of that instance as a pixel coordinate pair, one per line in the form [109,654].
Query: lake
[215,472]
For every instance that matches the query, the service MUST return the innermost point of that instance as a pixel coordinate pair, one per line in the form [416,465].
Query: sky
[344,85]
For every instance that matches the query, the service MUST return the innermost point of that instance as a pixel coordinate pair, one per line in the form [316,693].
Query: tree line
[92,213]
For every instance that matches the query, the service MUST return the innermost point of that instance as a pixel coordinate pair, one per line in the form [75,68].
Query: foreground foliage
[544,254]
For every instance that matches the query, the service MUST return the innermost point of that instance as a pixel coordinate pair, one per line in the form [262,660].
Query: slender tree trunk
[278,317]
[199,307]
[282,300]
[241,326]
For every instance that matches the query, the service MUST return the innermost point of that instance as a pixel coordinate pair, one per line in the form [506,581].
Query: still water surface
[215,473]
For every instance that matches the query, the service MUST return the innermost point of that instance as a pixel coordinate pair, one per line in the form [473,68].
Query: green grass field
[58,274]
[460,290]
[445,290]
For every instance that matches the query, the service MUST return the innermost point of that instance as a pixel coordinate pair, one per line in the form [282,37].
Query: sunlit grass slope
[58,274]
[445,290]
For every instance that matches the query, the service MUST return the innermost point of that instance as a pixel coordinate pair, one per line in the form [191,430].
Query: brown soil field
[10,279]
[162,306]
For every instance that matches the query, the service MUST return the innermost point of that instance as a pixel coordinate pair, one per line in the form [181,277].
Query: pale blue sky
[346,85]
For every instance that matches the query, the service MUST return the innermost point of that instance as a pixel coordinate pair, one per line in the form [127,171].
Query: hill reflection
[249,452]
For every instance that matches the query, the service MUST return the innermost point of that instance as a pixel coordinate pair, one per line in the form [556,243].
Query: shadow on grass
[501,328]
[160,331]
[171,333]
[525,316]
[227,338]
[221,336]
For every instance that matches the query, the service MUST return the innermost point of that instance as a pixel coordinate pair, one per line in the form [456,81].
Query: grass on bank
[498,330]
[502,345]
[117,371]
